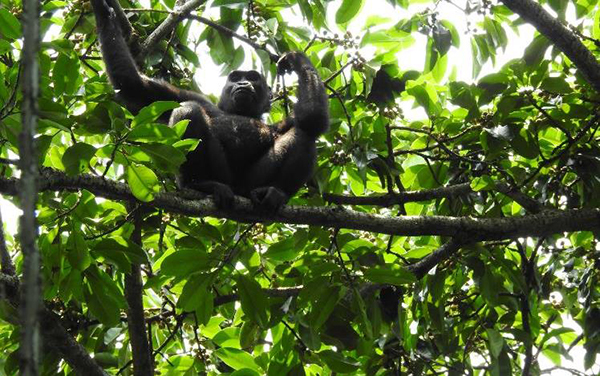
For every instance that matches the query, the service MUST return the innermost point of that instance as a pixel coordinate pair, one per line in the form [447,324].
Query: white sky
[411,58]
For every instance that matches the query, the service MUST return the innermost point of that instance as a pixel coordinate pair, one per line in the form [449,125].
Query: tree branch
[31,297]
[401,197]
[421,267]
[167,26]
[469,228]
[560,36]
[72,352]
[274,58]
[451,191]
[138,337]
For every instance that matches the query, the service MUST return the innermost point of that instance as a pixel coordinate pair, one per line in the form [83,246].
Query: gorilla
[238,153]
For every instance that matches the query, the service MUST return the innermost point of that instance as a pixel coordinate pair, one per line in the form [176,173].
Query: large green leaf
[254,301]
[142,181]
[348,10]
[9,25]
[390,274]
[152,112]
[184,262]
[77,158]
[236,359]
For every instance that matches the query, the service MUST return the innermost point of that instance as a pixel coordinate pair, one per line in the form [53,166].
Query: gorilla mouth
[243,93]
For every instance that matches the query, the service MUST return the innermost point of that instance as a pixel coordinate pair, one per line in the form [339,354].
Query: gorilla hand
[268,199]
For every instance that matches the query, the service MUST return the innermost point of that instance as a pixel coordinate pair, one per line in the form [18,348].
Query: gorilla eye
[235,76]
[253,76]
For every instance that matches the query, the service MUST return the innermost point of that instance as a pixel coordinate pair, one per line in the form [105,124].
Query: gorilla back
[238,153]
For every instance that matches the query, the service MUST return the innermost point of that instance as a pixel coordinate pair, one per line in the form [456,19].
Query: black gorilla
[239,153]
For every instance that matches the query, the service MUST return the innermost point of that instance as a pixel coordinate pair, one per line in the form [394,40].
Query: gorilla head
[246,93]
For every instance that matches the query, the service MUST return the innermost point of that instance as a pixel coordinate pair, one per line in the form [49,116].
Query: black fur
[238,153]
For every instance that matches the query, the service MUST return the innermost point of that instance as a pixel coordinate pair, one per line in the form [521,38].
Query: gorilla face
[246,93]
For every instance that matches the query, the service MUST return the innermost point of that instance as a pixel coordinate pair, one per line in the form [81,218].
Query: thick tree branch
[31,297]
[274,58]
[468,228]
[421,267]
[167,26]
[138,337]
[560,36]
[451,191]
[401,197]
[73,353]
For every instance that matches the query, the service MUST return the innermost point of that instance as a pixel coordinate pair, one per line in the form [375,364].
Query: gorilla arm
[290,162]
[133,88]
[311,112]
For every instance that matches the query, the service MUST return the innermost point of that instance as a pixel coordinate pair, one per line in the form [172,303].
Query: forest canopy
[450,226]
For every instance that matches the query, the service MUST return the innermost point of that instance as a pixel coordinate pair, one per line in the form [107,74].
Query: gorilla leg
[206,168]
[283,170]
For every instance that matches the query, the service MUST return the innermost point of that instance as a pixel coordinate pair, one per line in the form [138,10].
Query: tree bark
[138,337]
[468,229]
[561,37]
[31,299]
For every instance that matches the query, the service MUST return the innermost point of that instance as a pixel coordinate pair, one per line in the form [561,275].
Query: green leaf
[180,127]
[143,182]
[106,359]
[10,27]
[103,297]
[245,371]
[197,296]
[282,251]
[153,132]
[78,254]
[236,359]
[524,144]
[253,300]
[77,157]
[348,10]
[121,253]
[337,362]
[248,334]
[556,85]
[165,157]
[482,183]
[152,112]
[391,39]
[324,305]
[501,365]
[184,262]
[596,28]
[495,341]
[390,274]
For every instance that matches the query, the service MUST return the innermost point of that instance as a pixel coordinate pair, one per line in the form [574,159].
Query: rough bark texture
[166,27]
[561,37]
[468,229]
[421,267]
[140,348]
[31,300]
[73,353]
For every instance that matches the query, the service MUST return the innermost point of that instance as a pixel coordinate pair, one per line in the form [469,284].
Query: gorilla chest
[243,139]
